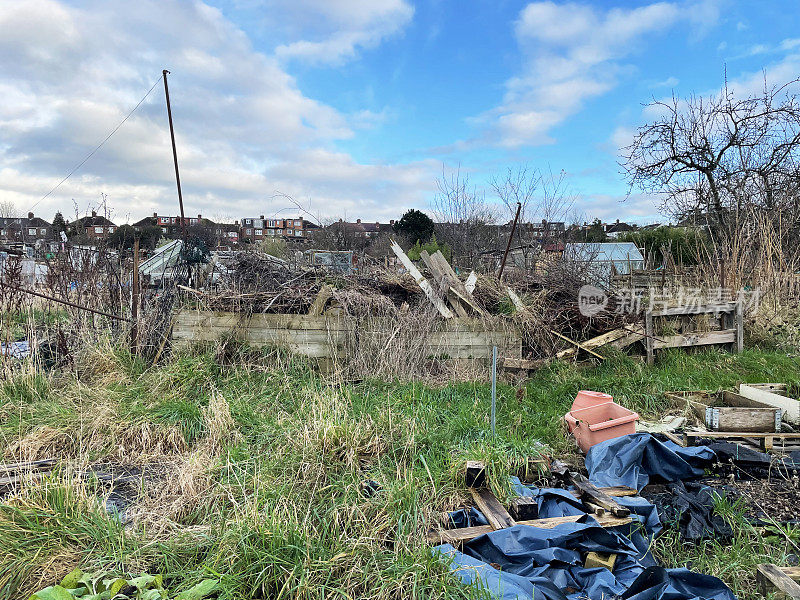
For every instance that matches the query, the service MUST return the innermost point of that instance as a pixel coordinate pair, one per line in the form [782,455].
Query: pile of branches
[260,283]
[551,305]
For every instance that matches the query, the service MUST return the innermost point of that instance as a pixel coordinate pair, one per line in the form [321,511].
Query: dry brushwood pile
[259,283]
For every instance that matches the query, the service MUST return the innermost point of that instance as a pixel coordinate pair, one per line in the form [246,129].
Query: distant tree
[595,232]
[123,238]
[684,245]
[415,226]
[431,247]
[59,225]
[8,209]
[465,219]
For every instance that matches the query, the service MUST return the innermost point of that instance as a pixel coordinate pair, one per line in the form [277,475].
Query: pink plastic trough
[599,423]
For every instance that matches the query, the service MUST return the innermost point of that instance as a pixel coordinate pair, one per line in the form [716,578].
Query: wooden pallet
[730,322]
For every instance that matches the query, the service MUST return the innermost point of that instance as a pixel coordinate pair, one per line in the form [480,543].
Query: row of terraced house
[33,230]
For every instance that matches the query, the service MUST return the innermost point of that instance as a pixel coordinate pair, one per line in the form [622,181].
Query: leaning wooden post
[135,298]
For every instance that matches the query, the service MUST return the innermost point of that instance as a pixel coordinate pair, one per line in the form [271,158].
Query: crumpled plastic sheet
[15,349]
[524,562]
[637,459]
[689,507]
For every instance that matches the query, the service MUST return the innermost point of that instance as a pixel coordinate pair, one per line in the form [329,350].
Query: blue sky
[353,108]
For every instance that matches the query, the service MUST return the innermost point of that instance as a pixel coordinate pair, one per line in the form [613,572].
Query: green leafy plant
[105,586]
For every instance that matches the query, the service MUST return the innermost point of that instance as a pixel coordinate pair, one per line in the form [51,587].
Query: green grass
[263,461]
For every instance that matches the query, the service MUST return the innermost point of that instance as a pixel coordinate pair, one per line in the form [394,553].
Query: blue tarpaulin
[632,460]
[525,562]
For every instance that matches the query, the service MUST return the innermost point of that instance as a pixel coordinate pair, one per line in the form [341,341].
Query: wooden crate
[728,411]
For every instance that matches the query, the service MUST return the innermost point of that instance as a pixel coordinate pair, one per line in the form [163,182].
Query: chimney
[391,222]
[155,215]
[30,215]
[358,220]
[94,213]
[199,217]
[377,223]
[617,221]
[261,217]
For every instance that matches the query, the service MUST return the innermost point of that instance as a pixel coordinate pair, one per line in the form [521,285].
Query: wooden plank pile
[448,293]
[599,501]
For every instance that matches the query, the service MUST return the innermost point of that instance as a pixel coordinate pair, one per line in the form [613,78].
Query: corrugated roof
[604,252]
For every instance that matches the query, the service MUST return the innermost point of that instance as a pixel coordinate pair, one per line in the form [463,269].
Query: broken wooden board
[779,581]
[456,286]
[324,294]
[766,394]
[594,495]
[443,283]
[634,334]
[33,465]
[421,281]
[491,508]
[728,411]
[596,342]
[577,344]
[617,491]
[465,534]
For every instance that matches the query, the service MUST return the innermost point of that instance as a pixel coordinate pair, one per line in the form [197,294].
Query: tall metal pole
[510,237]
[494,387]
[174,155]
[135,298]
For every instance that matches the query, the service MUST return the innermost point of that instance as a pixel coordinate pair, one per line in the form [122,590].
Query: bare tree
[464,218]
[545,202]
[715,156]
[8,210]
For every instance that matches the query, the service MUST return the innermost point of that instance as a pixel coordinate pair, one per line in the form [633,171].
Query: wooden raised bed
[728,411]
[326,336]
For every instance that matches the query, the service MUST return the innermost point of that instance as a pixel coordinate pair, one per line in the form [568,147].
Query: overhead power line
[100,145]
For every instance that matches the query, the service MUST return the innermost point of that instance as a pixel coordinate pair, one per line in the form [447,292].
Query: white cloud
[334,30]
[244,129]
[669,82]
[572,53]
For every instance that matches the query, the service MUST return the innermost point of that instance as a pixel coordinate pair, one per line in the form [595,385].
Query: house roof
[94,221]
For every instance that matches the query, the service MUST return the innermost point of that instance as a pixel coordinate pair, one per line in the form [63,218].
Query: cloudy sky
[353,107]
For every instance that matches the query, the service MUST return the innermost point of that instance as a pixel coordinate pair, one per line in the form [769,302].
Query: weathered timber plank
[491,508]
[724,336]
[422,282]
[596,342]
[790,406]
[324,294]
[695,310]
[773,580]
[322,322]
[595,495]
